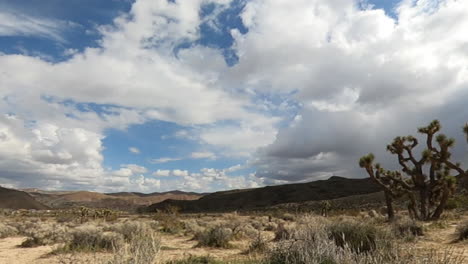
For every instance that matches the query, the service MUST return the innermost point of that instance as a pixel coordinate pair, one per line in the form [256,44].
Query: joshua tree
[465,129]
[426,182]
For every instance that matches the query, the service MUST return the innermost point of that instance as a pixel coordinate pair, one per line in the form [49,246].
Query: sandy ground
[10,253]
[442,240]
[181,247]
[172,247]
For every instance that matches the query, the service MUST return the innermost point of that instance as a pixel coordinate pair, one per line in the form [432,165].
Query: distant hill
[126,201]
[13,199]
[333,188]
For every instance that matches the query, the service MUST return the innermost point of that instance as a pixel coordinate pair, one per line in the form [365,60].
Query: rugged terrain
[125,201]
[298,195]
[258,198]
[14,199]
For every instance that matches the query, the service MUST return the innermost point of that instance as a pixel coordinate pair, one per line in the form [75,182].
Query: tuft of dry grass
[143,248]
[407,229]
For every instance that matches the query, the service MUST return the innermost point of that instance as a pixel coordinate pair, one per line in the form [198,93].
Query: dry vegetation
[262,238]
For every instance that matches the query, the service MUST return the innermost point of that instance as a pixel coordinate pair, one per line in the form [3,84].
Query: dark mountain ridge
[248,199]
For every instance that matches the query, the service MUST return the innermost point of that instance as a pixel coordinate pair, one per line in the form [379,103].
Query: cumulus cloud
[350,80]
[207,179]
[133,75]
[362,76]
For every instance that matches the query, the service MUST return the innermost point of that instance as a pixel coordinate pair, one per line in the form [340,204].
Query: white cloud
[203,155]
[162,173]
[164,160]
[356,78]
[136,169]
[207,179]
[134,150]
[362,76]
[180,173]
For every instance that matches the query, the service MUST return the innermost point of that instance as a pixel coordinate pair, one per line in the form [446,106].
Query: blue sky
[198,96]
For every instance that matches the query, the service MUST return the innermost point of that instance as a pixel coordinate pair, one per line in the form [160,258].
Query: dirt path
[10,252]
[441,240]
[178,247]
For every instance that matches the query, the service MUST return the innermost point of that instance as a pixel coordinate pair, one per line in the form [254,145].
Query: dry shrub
[7,231]
[461,233]
[91,238]
[62,216]
[192,227]
[283,232]
[210,260]
[194,260]
[407,229]
[44,233]
[242,231]
[258,245]
[316,240]
[131,229]
[358,236]
[271,226]
[325,251]
[288,217]
[218,237]
[25,227]
[169,223]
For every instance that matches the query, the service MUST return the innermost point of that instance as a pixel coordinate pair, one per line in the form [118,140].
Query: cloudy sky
[205,95]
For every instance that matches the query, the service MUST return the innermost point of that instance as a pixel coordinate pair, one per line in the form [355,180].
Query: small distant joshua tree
[426,182]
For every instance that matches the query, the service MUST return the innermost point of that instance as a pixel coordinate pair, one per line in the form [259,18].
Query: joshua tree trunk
[389,202]
[443,201]
[423,197]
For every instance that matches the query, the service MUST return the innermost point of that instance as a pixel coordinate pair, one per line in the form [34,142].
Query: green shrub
[458,201]
[218,237]
[359,237]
